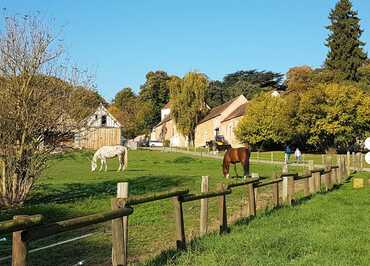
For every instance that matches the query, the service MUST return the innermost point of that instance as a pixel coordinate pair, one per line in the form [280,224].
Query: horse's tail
[125,158]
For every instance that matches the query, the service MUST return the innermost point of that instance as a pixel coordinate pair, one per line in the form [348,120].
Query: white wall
[165,112]
[95,120]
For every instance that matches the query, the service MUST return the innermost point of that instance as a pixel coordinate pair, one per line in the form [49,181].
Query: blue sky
[121,40]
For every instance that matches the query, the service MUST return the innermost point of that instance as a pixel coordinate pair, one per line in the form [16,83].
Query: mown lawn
[68,189]
[329,229]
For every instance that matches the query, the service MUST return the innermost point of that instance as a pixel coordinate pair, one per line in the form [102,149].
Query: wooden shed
[101,129]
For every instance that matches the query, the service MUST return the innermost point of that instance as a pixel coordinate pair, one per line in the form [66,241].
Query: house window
[96,117]
[103,120]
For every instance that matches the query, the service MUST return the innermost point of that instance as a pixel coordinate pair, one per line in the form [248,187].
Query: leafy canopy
[334,116]
[249,83]
[267,121]
[156,92]
[188,102]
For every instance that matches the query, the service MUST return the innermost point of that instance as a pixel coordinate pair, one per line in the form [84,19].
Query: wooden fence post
[353,161]
[358,160]
[311,180]
[348,163]
[306,186]
[204,208]
[272,156]
[275,191]
[344,162]
[255,175]
[333,177]
[222,210]
[252,200]
[180,229]
[326,178]
[322,159]
[288,189]
[362,162]
[339,169]
[120,227]
[317,181]
[19,246]
[117,238]
[285,169]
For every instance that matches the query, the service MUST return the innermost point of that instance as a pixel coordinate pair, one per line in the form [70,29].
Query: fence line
[355,161]
[28,228]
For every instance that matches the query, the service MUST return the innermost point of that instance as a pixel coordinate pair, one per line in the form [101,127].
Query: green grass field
[68,189]
[329,229]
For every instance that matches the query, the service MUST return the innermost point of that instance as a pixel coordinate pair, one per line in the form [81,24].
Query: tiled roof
[216,111]
[240,111]
[165,119]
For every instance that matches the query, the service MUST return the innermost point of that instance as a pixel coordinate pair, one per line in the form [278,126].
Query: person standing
[298,155]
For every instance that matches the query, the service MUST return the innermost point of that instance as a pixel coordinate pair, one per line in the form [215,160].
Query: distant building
[101,129]
[166,130]
[221,120]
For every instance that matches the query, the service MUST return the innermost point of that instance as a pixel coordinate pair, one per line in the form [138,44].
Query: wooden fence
[29,228]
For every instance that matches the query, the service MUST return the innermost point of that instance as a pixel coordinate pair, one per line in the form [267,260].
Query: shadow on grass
[72,155]
[46,193]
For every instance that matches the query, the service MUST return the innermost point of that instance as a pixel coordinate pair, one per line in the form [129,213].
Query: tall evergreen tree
[346,53]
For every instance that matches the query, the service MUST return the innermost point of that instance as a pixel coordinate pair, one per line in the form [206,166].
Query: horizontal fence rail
[158,196]
[244,183]
[75,223]
[211,194]
[262,184]
[20,224]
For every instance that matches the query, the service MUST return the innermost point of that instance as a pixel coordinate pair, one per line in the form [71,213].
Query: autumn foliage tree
[267,122]
[334,116]
[132,112]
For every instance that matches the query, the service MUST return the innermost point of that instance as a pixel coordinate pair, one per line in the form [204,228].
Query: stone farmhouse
[166,130]
[221,120]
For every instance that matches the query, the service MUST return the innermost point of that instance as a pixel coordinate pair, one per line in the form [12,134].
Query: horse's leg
[101,165]
[119,162]
[228,171]
[236,172]
[105,163]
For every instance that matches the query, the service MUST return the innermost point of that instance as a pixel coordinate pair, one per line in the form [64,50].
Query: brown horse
[234,156]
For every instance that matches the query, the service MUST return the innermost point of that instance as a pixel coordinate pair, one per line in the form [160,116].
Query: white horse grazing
[107,152]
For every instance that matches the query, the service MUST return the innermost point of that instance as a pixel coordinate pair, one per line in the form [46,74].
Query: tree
[216,94]
[155,91]
[33,104]
[267,122]
[346,53]
[334,116]
[123,97]
[188,102]
[364,77]
[83,102]
[261,78]
[299,78]
[249,83]
[134,114]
